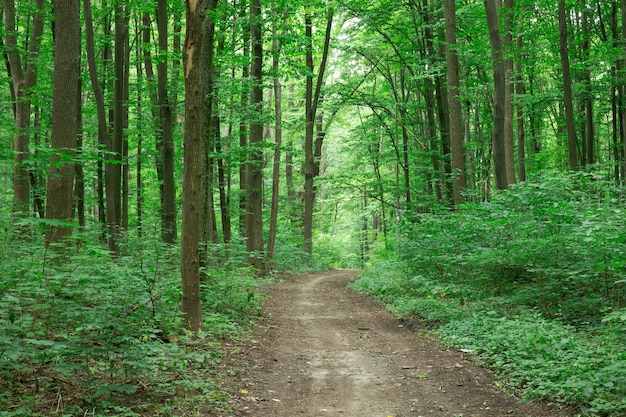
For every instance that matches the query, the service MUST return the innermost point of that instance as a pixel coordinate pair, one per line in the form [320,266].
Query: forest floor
[323,350]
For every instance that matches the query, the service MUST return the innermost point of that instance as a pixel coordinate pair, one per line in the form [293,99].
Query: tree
[254,187]
[278,133]
[499,159]
[312,98]
[59,202]
[168,222]
[507,40]
[192,160]
[572,140]
[23,72]
[454,103]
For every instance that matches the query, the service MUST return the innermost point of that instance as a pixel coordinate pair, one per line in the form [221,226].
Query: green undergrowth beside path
[533,284]
[85,334]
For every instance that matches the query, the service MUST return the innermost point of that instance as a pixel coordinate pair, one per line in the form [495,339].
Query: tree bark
[311,102]
[278,134]
[254,189]
[572,140]
[454,105]
[499,158]
[64,120]
[192,160]
[509,148]
[24,78]
[521,130]
[169,233]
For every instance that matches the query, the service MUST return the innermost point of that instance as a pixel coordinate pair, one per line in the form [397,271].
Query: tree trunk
[311,102]
[168,225]
[254,189]
[192,160]
[507,40]
[64,120]
[103,129]
[454,106]
[521,132]
[24,78]
[243,128]
[207,181]
[278,134]
[499,158]
[589,128]
[572,140]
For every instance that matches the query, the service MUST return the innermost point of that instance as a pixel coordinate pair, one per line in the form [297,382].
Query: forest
[161,160]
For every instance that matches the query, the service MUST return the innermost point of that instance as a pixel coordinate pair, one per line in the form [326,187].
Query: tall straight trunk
[243,130]
[622,96]
[589,128]
[24,77]
[406,163]
[507,40]
[64,120]
[168,222]
[79,183]
[454,106]
[139,121]
[441,99]
[499,158]
[521,132]
[570,123]
[126,95]
[278,134]
[311,103]
[207,180]
[254,188]
[113,166]
[192,160]
[156,114]
[103,128]
[429,88]
[221,161]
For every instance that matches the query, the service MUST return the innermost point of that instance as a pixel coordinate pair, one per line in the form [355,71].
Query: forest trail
[323,350]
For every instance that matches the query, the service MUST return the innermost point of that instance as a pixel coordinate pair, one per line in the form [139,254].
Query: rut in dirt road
[322,350]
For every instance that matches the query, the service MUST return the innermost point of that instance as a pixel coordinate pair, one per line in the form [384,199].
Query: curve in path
[322,350]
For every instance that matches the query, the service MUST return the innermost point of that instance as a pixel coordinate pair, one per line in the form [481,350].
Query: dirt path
[322,350]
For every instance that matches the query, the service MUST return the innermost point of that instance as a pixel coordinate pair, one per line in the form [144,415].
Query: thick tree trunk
[454,105]
[499,158]
[64,119]
[572,140]
[192,160]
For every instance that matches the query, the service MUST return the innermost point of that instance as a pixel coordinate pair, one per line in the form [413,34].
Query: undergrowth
[532,282]
[85,334]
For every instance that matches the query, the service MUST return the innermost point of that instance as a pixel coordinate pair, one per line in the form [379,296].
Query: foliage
[86,333]
[531,281]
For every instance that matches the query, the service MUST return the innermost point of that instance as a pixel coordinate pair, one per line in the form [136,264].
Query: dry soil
[323,350]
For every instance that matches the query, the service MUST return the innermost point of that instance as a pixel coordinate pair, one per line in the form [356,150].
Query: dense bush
[541,263]
[88,333]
